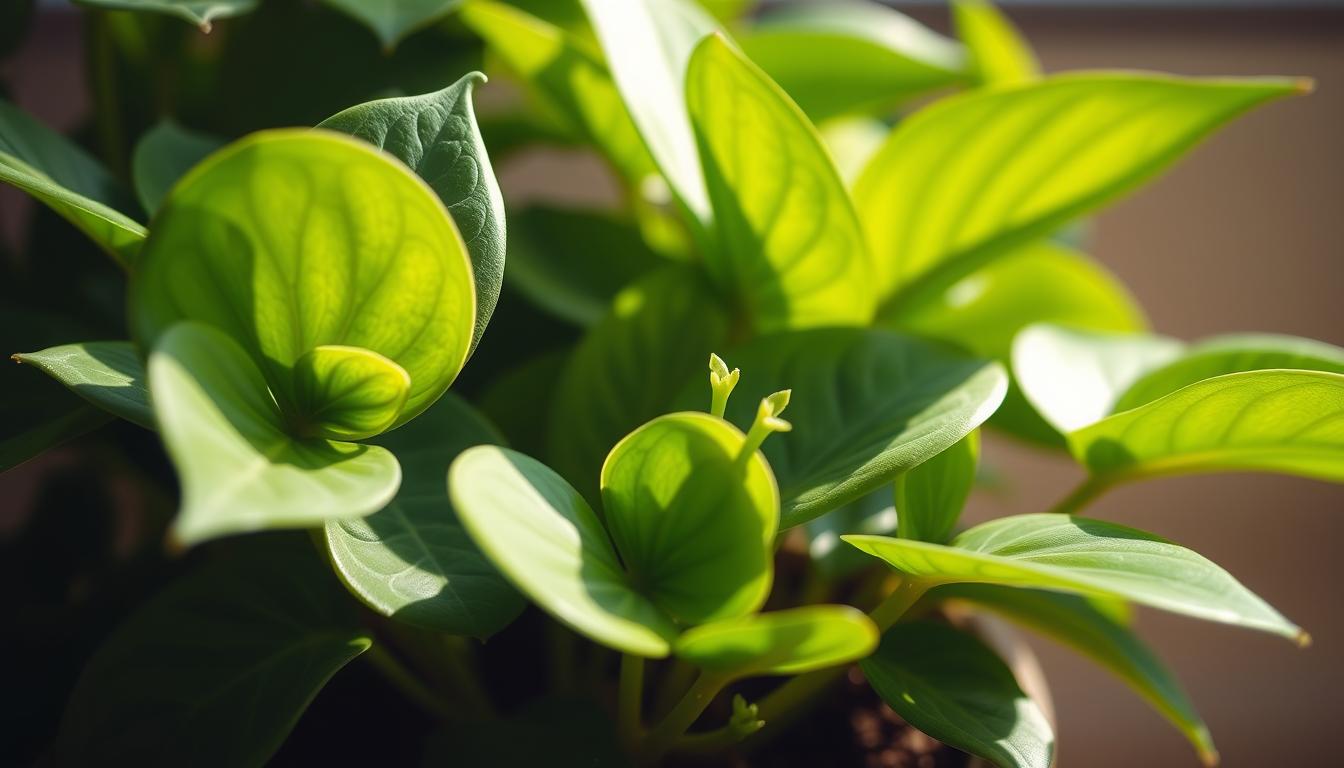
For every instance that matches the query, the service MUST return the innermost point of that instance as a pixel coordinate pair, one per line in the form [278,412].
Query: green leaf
[951,686]
[999,55]
[867,406]
[239,468]
[648,44]
[294,239]
[1086,557]
[1284,421]
[930,497]
[413,560]
[545,538]
[436,136]
[852,142]
[1078,623]
[789,642]
[969,178]
[786,241]
[852,57]
[108,374]
[162,156]
[391,20]
[216,670]
[693,516]
[872,514]
[198,12]
[65,178]
[347,393]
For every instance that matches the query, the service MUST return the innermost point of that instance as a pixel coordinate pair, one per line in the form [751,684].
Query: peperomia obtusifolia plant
[874,223]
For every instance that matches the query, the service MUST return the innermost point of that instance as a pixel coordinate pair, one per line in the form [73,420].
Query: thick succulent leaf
[293,239]
[951,686]
[871,514]
[693,518]
[1081,625]
[648,44]
[239,646]
[1083,556]
[436,136]
[848,57]
[1074,377]
[561,732]
[970,177]
[65,178]
[391,20]
[630,367]
[788,642]
[999,55]
[413,560]
[239,468]
[162,156]
[545,538]
[786,242]
[867,405]
[108,374]
[198,12]
[1267,421]
[930,497]
[347,393]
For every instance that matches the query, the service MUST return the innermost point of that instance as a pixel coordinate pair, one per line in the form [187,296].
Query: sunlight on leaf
[788,642]
[108,374]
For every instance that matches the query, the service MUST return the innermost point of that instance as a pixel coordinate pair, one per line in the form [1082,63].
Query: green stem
[630,699]
[405,681]
[676,681]
[1084,494]
[682,716]
[709,742]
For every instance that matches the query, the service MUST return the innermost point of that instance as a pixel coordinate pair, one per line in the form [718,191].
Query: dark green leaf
[198,12]
[930,497]
[164,155]
[108,374]
[391,20]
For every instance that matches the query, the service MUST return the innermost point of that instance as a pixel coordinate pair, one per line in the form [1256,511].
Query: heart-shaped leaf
[693,510]
[108,374]
[347,393]
[412,560]
[391,20]
[841,58]
[436,136]
[789,642]
[1083,556]
[786,242]
[969,178]
[198,12]
[239,646]
[930,497]
[294,239]
[164,155]
[545,538]
[951,686]
[239,467]
[1268,421]
[999,55]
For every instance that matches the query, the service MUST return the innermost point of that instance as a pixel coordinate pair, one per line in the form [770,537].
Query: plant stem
[1084,494]
[630,699]
[405,681]
[682,716]
[676,681]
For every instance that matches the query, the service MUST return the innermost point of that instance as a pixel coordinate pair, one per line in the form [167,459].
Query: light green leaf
[292,239]
[108,374]
[545,538]
[789,642]
[1078,623]
[693,516]
[239,468]
[198,12]
[999,54]
[648,44]
[930,497]
[347,393]
[65,178]
[1087,557]
[239,646]
[867,405]
[786,241]
[436,136]
[391,20]
[951,686]
[969,178]
[845,57]
[872,514]
[1284,421]
[162,156]
[413,560]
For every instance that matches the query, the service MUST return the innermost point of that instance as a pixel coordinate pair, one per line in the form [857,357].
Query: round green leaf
[347,393]
[788,642]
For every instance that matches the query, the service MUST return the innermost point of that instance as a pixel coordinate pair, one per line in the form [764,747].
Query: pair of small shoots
[721,384]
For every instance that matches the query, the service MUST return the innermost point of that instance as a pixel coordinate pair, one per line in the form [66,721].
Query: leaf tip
[1302,638]
[1208,755]
[1304,85]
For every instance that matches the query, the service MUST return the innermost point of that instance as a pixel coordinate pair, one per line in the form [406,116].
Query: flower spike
[721,383]
[767,420]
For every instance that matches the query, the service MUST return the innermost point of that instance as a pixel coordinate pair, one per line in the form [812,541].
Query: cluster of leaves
[302,299]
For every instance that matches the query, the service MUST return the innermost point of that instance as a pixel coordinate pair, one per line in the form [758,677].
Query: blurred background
[1246,234]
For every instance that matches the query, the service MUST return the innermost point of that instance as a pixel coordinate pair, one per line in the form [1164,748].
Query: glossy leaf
[693,517]
[999,55]
[545,538]
[108,374]
[788,642]
[786,242]
[239,468]
[413,560]
[436,135]
[198,12]
[930,497]
[971,177]
[239,646]
[1087,557]
[847,57]
[347,393]
[391,20]
[162,156]
[1268,421]
[951,686]
[293,239]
